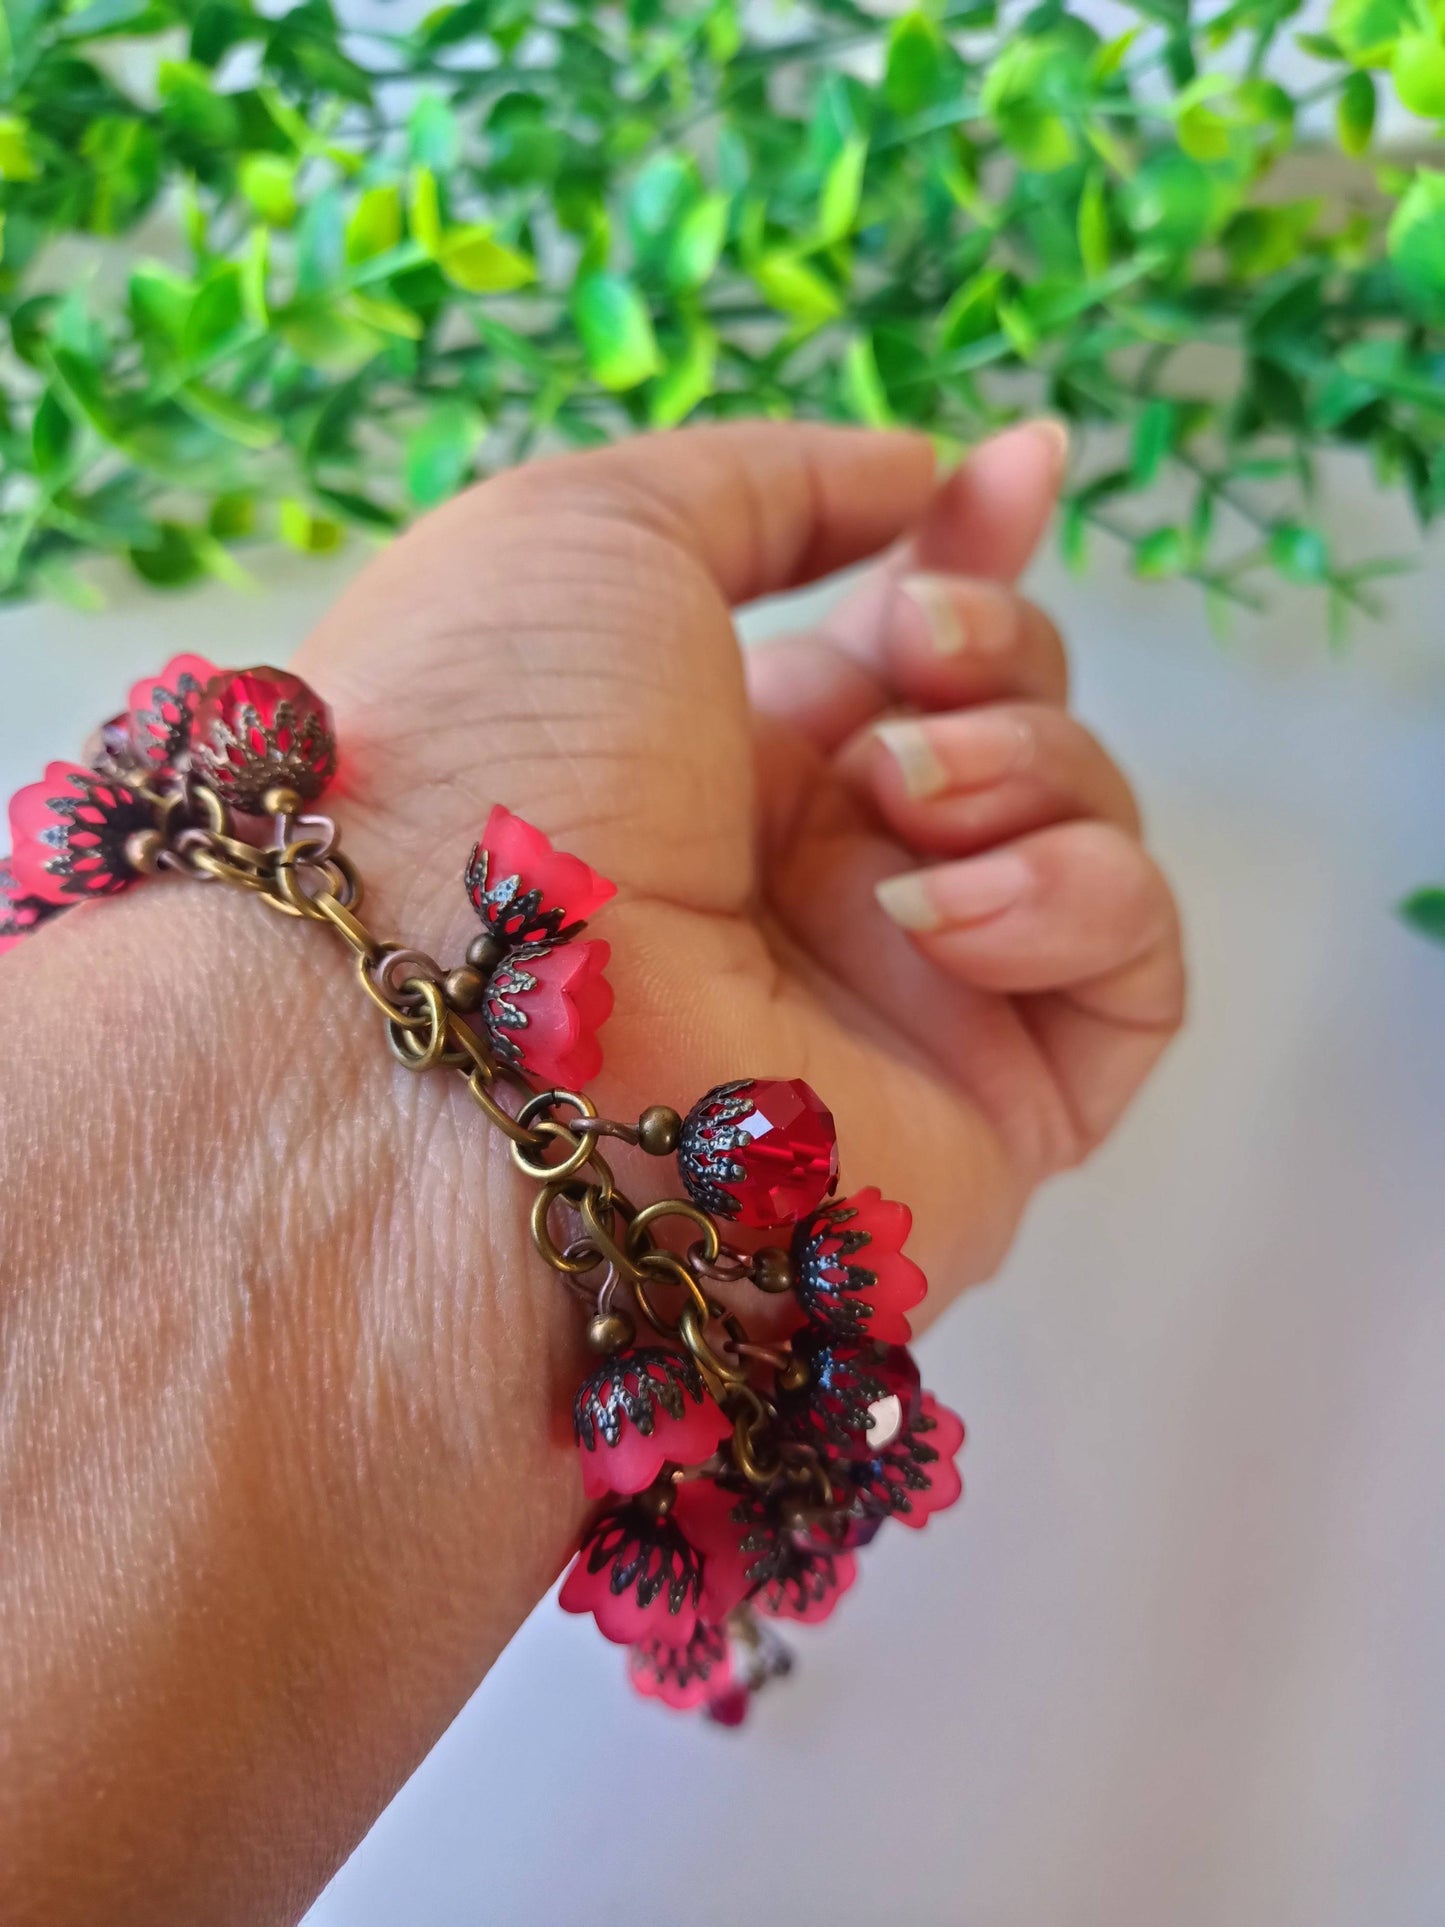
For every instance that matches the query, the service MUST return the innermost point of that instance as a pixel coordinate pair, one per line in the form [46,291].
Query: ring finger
[950,785]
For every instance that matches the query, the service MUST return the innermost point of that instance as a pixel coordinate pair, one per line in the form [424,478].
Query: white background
[1180,1656]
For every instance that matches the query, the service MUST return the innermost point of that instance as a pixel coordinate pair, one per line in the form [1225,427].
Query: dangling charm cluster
[734,1481]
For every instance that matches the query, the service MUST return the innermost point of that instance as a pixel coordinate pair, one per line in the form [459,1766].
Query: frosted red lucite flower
[261,729]
[162,708]
[69,833]
[19,914]
[543,1007]
[809,1586]
[761,1152]
[523,889]
[915,1476]
[683,1676]
[857,1399]
[638,1576]
[849,1271]
[639,1410]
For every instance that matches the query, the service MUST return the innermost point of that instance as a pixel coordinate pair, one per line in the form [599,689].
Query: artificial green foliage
[266,276]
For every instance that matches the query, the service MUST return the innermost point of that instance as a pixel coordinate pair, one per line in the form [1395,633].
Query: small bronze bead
[610,1331]
[793,1377]
[463,987]
[281,801]
[772,1269]
[484,953]
[658,1130]
[143,850]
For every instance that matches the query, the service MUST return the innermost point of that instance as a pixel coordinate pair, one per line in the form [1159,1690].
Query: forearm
[279,1464]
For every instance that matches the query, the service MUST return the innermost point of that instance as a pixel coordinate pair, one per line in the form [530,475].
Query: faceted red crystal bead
[760,1152]
[259,729]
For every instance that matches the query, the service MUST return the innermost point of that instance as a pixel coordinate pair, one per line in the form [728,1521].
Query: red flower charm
[543,1006]
[638,1577]
[857,1399]
[808,1586]
[849,1269]
[915,1476]
[261,729]
[742,1542]
[69,835]
[525,891]
[161,710]
[19,914]
[683,1676]
[638,1411]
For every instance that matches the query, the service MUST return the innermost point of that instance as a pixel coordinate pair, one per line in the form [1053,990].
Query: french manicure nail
[938,605]
[955,895]
[907,743]
[1055,432]
[906,901]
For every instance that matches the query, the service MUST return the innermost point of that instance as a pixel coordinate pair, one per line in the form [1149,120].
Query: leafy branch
[390,261]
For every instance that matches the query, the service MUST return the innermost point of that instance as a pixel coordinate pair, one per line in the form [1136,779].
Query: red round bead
[760,1152]
[261,729]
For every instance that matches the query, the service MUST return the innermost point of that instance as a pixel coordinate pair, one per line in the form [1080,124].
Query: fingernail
[1050,429]
[954,895]
[907,743]
[938,605]
[906,900]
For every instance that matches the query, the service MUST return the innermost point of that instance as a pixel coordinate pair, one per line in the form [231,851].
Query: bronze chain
[304,874]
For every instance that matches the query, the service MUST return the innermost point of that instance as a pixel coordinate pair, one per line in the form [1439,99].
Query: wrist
[315,1419]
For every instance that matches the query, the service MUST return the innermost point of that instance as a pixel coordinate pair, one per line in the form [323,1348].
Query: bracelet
[735,1480]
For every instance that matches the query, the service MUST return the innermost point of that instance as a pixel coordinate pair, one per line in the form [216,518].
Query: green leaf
[440,450]
[52,437]
[1416,240]
[1093,225]
[863,389]
[915,64]
[17,163]
[302,528]
[1355,113]
[425,210]
[842,192]
[432,135]
[170,559]
[687,379]
[268,182]
[1366,30]
[374,225]
[1161,554]
[1418,69]
[615,330]
[1175,201]
[796,290]
[387,317]
[251,427]
[1153,439]
[697,243]
[972,312]
[1299,553]
[326,339]
[473,259]
[1424,910]
[217,314]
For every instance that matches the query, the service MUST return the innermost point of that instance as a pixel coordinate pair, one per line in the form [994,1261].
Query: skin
[284,1458]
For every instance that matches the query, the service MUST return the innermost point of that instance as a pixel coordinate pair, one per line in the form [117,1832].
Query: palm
[567,654]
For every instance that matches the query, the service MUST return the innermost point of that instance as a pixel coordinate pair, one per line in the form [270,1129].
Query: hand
[283,1449]
[561,640]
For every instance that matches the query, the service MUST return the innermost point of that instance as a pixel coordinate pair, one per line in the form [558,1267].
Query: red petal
[517,848]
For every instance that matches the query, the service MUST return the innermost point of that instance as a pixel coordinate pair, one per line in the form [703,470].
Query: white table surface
[1179,1659]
